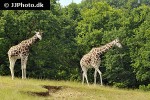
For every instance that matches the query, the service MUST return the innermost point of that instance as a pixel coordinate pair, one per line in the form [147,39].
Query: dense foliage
[70,32]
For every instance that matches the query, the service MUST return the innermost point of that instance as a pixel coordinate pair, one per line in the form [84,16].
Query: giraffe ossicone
[21,51]
[93,60]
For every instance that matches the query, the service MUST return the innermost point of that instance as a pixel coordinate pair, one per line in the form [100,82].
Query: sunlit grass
[19,89]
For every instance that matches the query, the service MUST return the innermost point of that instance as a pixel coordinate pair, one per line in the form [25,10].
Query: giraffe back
[19,50]
[91,59]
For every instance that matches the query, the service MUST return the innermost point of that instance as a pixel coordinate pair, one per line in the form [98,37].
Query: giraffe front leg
[100,74]
[25,73]
[22,72]
[23,66]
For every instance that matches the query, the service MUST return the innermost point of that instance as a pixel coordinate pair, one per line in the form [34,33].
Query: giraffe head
[39,34]
[117,43]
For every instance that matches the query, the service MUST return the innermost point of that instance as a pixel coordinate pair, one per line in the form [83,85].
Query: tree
[141,45]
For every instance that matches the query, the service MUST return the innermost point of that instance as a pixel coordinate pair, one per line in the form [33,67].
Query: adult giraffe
[21,51]
[93,60]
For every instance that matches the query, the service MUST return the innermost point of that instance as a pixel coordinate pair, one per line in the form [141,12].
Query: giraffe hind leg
[95,75]
[84,75]
[22,73]
[83,78]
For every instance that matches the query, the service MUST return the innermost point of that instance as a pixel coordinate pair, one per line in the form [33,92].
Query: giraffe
[21,51]
[93,60]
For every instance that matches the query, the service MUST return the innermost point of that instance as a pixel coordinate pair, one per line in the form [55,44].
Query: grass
[19,89]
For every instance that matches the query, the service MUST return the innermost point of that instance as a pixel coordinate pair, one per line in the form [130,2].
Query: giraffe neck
[106,47]
[31,40]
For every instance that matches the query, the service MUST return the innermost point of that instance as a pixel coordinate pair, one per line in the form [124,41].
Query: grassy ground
[32,89]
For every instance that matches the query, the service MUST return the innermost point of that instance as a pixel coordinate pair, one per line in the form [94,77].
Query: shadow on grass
[50,89]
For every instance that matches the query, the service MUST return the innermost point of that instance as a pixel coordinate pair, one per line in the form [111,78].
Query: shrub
[145,88]
[119,85]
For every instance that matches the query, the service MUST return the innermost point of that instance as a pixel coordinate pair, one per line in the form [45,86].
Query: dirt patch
[50,89]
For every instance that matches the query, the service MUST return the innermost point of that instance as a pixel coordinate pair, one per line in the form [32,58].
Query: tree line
[71,31]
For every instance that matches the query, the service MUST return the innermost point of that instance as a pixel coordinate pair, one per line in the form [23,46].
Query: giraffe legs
[83,78]
[11,66]
[23,66]
[84,75]
[100,74]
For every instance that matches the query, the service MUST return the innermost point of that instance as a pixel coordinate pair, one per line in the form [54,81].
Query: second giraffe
[93,60]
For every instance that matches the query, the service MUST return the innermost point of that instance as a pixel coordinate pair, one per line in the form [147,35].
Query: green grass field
[32,89]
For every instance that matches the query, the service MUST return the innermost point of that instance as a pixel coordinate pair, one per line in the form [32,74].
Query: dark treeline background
[71,31]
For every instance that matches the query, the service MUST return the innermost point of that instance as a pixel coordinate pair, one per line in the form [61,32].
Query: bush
[145,88]
[119,85]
